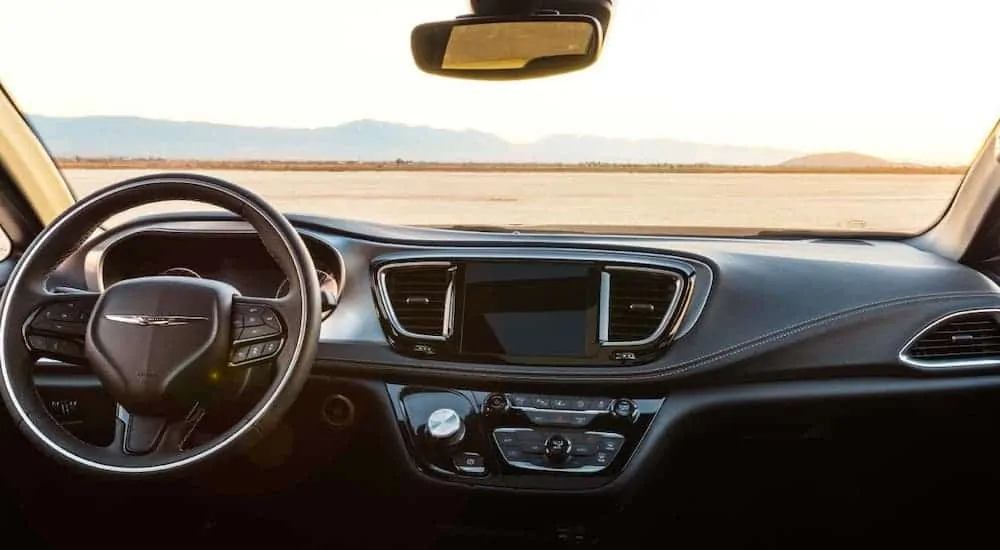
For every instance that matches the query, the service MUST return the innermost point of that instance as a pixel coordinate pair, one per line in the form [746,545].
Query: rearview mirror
[507,48]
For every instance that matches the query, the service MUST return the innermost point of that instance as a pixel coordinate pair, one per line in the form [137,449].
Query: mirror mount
[507,47]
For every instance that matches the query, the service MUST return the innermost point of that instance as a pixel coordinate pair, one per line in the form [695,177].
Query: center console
[549,308]
[521,439]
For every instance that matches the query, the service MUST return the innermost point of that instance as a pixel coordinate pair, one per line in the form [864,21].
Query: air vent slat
[639,301]
[418,297]
[965,337]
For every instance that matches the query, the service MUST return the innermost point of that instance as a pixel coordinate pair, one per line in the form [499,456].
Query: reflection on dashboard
[327,283]
[238,259]
[181,272]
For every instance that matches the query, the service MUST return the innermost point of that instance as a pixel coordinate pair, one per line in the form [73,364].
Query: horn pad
[153,341]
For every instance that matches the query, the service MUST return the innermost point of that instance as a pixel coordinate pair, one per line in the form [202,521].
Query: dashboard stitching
[814,323]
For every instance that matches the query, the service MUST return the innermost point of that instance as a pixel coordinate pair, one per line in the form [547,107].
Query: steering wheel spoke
[57,326]
[137,435]
[258,330]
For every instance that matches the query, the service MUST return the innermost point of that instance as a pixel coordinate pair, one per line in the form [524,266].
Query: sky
[906,80]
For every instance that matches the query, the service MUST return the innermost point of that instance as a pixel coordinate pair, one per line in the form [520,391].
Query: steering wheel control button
[240,355]
[251,325]
[446,426]
[270,348]
[624,409]
[256,350]
[557,448]
[57,329]
[270,319]
[470,463]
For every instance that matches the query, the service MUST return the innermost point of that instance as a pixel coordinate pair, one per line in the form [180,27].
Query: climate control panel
[499,437]
[558,451]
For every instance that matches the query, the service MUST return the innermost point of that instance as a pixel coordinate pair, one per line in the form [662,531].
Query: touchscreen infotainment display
[546,309]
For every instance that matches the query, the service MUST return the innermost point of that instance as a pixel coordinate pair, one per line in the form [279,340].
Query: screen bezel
[592,346]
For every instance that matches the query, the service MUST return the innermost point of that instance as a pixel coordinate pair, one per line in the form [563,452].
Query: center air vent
[637,304]
[964,338]
[418,298]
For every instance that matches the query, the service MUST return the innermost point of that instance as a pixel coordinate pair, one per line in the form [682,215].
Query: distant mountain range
[370,140]
[841,160]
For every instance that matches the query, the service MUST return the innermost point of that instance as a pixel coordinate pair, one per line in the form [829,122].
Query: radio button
[600,404]
[558,418]
[580,404]
[521,400]
[540,402]
[507,439]
[561,403]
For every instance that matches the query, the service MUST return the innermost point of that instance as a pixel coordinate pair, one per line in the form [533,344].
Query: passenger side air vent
[964,337]
[639,303]
[419,298]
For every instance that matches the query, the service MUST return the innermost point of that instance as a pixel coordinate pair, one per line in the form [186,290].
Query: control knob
[446,426]
[557,449]
[496,404]
[624,409]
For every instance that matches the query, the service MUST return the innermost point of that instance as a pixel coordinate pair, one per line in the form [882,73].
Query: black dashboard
[562,362]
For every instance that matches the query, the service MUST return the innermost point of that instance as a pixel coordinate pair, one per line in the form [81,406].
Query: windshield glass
[701,117]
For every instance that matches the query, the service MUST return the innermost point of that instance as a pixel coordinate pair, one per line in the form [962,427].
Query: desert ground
[905,203]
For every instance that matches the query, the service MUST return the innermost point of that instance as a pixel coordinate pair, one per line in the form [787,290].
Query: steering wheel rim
[26,293]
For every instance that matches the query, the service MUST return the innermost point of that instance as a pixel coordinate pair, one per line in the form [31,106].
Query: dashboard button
[540,402]
[512,454]
[600,404]
[506,439]
[520,400]
[580,404]
[534,448]
[603,459]
[558,418]
[583,449]
[610,444]
[561,403]
[470,463]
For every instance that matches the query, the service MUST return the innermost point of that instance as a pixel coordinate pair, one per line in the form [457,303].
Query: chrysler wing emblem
[154,320]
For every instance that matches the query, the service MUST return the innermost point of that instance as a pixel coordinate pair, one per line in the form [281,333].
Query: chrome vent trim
[385,300]
[607,286]
[907,359]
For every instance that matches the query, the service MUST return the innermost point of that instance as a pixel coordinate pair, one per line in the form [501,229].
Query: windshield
[700,117]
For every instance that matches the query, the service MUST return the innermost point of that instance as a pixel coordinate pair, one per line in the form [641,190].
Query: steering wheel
[163,347]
